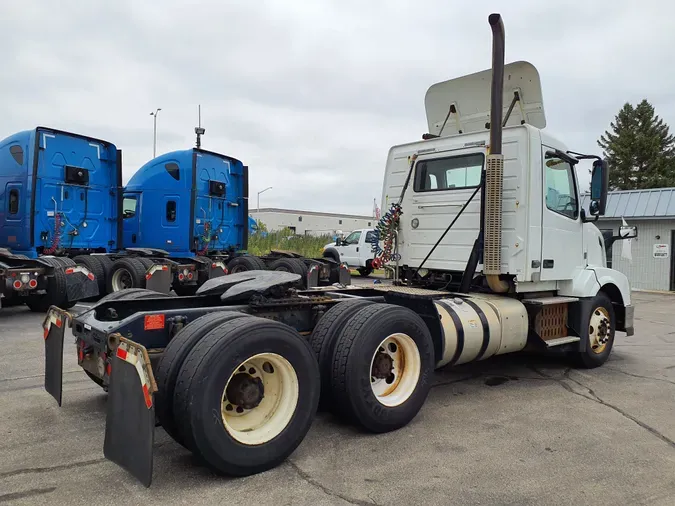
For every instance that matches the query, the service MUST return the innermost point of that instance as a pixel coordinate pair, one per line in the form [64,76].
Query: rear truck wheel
[65,261]
[172,359]
[325,335]
[126,273]
[107,263]
[246,395]
[96,267]
[382,367]
[293,265]
[57,289]
[245,263]
[599,334]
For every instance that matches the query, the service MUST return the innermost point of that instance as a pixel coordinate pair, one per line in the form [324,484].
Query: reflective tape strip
[134,356]
[83,270]
[51,319]
[156,268]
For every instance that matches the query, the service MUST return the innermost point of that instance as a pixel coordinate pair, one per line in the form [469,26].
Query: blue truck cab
[58,191]
[189,203]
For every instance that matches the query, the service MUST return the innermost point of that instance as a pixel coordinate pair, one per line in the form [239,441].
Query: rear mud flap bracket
[159,278]
[80,283]
[130,418]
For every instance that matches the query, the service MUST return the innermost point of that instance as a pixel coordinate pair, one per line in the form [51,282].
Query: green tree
[639,149]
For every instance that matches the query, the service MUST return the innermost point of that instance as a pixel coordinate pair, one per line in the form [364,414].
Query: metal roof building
[653,212]
[311,222]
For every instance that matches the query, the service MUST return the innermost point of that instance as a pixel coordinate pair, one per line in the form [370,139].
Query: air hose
[206,238]
[56,238]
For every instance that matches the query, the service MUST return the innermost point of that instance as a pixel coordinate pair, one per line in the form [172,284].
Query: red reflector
[181,277]
[70,270]
[148,276]
[190,275]
[32,283]
[108,369]
[153,322]
[17,284]
[80,354]
[46,334]
[14,274]
[91,276]
[213,266]
[59,322]
[146,394]
[121,353]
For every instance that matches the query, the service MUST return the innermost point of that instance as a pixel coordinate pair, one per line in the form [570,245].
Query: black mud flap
[345,275]
[130,420]
[54,326]
[80,283]
[216,269]
[159,278]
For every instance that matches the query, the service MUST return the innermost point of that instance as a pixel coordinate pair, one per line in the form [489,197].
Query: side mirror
[338,242]
[599,187]
[628,232]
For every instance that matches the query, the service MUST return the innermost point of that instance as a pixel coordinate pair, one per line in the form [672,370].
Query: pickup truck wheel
[172,359]
[126,273]
[245,263]
[325,335]
[382,367]
[57,291]
[246,394]
[600,334]
[365,271]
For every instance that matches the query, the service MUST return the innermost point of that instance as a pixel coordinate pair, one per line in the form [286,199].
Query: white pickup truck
[355,250]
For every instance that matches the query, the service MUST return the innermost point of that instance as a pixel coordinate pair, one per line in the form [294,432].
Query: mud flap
[159,278]
[345,275]
[54,326]
[80,283]
[217,269]
[130,418]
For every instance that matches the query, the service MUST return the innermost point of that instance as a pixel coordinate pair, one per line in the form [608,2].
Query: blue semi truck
[181,220]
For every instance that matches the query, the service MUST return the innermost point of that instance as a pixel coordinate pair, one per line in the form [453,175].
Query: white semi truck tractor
[491,254]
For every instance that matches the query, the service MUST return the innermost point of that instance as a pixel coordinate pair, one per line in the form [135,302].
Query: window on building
[561,196]
[449,173]
[299,218]
[369,224]
[13,201]
[340,222]
[171,210]
[129,207]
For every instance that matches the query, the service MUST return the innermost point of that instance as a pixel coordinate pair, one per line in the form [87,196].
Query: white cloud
[311,95]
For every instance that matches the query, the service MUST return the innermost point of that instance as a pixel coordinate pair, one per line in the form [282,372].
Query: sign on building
[661,251]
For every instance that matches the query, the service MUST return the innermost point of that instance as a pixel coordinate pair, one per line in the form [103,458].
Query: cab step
[562,340]
[548,301]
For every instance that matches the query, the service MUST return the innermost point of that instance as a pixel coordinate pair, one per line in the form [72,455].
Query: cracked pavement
[518,429]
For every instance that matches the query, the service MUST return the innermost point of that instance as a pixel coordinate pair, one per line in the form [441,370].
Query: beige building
[311,222]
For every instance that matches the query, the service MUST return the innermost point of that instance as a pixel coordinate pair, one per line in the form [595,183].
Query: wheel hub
[245,391]
[383,365]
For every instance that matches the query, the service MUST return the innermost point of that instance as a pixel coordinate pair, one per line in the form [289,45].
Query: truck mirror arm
[584,218]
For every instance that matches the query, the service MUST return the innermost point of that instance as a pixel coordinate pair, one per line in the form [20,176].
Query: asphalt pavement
[516,429]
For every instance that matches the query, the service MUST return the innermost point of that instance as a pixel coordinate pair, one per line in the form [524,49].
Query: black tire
[132,294]
[57,291]
[332,254]
[95,379]
[351,392]
[588,358]
[365,271]
[147,263]
[65,261]
[172,359]
[96,267]
[201,385]
[293,265]
[325,336]
[245,263]
[106,262]
[133,267]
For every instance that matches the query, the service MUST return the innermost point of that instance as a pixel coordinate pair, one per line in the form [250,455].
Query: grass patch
[305,245]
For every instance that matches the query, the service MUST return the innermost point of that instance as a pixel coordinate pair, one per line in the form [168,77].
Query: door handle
[133,237]
[357,249]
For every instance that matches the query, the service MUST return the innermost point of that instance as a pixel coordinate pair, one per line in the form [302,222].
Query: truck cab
[521,231]
[355,250]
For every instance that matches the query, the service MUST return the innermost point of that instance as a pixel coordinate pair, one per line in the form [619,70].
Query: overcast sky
[311,95]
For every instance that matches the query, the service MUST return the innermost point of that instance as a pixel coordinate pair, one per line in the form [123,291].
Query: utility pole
[154,132]
[261,191]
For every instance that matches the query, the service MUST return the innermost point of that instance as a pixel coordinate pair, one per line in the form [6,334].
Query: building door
[672,261]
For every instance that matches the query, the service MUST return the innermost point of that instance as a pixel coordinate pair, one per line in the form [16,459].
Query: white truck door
[349,251]
[562,238]
[365,249]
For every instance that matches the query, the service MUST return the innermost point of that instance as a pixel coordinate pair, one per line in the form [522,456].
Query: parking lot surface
[517,429]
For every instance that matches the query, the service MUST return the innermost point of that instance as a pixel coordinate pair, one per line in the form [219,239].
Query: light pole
[261,191]
[154,132]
